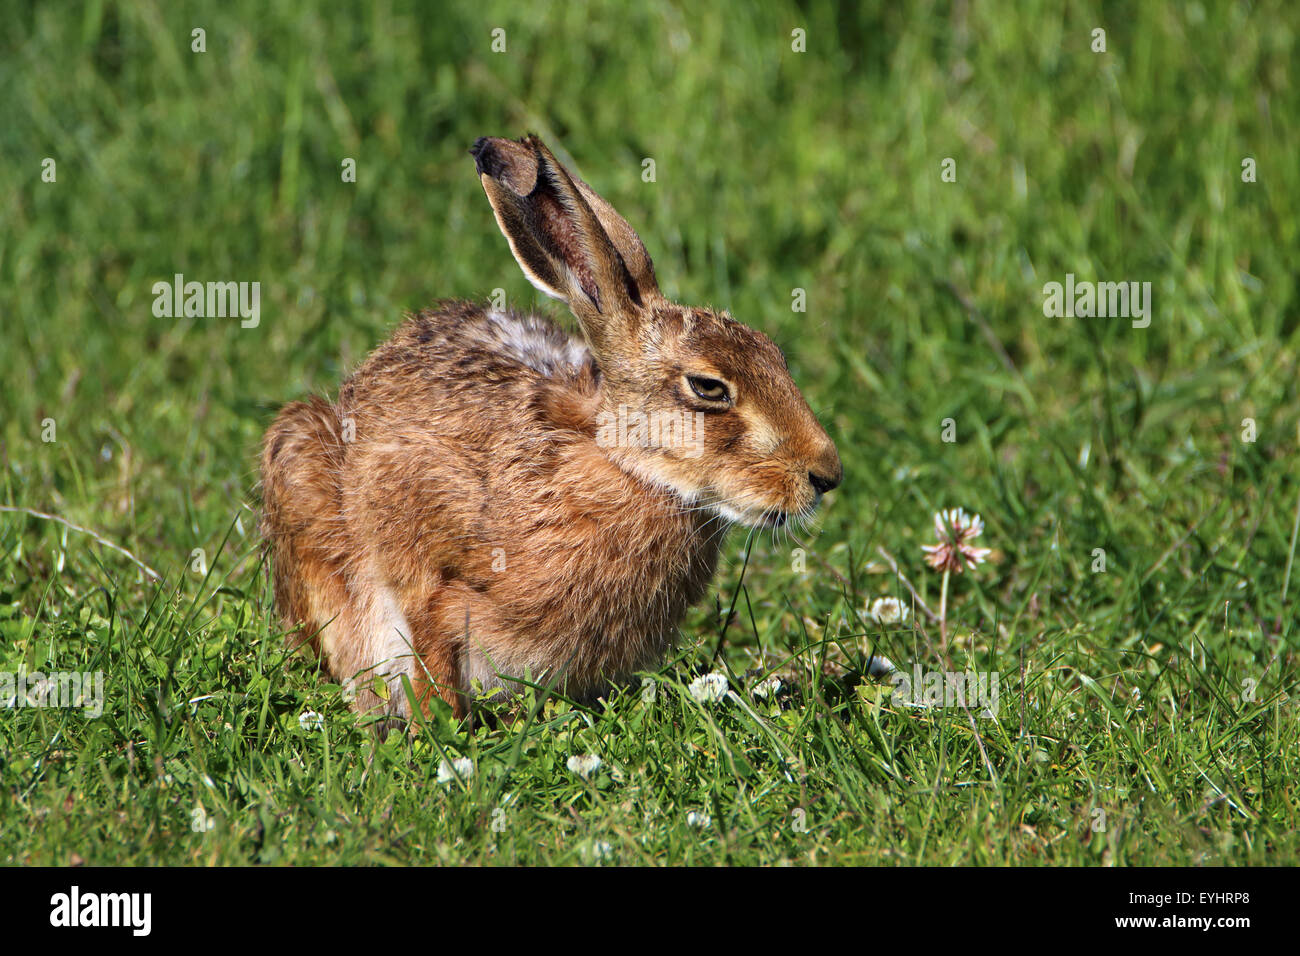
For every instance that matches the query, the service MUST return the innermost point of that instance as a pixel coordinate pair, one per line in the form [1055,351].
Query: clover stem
[943,615]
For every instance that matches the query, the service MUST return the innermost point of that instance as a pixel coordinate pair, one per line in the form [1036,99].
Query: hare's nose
[825,471]
[821,484]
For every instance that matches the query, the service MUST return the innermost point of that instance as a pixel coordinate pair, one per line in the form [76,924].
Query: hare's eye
[709,389]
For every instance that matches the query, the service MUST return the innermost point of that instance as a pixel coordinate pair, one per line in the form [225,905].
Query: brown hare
[492,497]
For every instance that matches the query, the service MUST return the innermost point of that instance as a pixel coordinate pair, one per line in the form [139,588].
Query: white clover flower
[584,765]
[699,820]
[880,666]
[889,610]
[708,688]
[767,688]
[955,530]
[311,721]
[461,768]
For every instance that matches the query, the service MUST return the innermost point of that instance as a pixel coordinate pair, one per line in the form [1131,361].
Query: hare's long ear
[570,243]
[625,240]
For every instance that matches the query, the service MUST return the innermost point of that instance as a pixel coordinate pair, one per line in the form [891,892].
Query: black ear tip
[485,156]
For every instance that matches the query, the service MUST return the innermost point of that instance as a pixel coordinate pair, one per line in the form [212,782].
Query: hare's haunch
[492,497]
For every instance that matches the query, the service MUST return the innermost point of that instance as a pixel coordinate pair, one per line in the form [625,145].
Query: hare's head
[691,400]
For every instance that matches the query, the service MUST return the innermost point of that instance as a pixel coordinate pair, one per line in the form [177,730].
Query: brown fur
[455,516]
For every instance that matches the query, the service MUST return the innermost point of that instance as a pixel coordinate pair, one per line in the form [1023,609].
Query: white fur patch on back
[537,343]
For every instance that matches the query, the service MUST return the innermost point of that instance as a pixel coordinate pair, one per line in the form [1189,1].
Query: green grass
[1127,731]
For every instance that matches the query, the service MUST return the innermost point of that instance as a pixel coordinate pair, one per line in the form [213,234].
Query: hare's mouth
[754,517]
